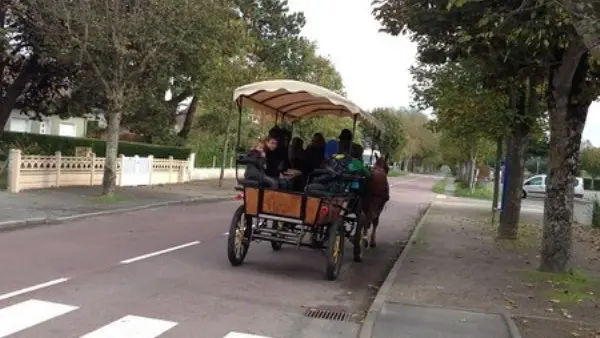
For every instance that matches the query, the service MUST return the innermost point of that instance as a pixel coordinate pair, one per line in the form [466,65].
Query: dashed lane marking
[160,252]
[32,288]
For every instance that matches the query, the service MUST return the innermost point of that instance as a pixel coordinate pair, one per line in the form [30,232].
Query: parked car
[536,186]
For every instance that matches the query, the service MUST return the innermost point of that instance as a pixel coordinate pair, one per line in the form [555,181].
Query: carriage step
[277,239]
[340,316]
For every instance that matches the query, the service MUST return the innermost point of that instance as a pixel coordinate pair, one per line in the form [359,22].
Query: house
[50,125]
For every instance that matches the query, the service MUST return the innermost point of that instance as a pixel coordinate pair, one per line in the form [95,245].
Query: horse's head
[382,163]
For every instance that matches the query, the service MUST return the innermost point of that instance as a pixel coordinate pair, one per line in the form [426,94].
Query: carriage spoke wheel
[238,239]
[335,250]
[360,240]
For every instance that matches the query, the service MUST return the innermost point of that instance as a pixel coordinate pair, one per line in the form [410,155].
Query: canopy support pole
[239,128]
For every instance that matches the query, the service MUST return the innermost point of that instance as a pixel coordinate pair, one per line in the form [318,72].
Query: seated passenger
[315,153]
[255,170]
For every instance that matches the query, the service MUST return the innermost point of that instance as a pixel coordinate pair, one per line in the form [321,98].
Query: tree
[590,162]
[420,139]
[531,46]
[393,139]
[117,42]
[443,36]
[276,31]
[462,105]
[32,77]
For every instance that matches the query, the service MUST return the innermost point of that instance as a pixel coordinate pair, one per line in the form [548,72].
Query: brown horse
[377,196]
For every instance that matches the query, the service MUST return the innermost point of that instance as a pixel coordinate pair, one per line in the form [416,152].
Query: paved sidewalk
[417,300]
[46,205]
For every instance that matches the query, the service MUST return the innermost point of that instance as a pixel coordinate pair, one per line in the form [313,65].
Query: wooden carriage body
[293,207]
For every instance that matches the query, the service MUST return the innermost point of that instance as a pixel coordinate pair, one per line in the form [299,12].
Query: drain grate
[340,316]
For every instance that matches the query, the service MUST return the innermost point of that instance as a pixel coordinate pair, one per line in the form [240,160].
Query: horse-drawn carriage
[326,216]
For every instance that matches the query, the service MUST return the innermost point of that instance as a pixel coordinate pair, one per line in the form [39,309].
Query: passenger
[297,154]
[346,135]
[276,153]
[254,169]
[315,153]
[331,148]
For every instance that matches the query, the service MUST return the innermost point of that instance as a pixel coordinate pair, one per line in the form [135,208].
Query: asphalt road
[164,272]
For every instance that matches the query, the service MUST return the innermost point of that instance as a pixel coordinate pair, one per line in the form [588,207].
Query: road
[165,272]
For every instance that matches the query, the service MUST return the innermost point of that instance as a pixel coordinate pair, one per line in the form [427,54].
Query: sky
[373,65]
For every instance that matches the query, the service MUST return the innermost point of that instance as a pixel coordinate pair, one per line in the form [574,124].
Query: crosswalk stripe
[242,335]
[132,327]
[26,314]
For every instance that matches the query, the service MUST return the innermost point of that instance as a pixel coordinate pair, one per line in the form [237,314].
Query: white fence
[35,172]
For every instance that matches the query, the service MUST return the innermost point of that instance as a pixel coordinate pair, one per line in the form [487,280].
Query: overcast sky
[374,65]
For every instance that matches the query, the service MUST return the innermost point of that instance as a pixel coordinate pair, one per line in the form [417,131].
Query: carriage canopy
[294,100]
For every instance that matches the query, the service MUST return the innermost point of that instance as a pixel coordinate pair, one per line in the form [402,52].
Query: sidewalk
[454,279]
[50,205]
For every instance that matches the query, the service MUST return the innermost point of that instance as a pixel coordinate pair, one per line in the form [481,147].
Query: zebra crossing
[19,317]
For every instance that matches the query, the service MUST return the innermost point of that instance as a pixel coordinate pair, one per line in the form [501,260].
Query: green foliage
[590,161]
[393,140]
[38,144]
[481,191]
[440,187]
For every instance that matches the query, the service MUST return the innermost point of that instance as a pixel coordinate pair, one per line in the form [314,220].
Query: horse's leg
[374,224]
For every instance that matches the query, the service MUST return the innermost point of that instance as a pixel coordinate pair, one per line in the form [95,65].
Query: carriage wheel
[238,239]
[276,246]
[335,249]
[359,241]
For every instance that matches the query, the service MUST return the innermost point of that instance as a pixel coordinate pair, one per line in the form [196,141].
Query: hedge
[587,183]
[39,144]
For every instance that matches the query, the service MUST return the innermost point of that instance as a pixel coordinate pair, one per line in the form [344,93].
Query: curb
[512,326]
[14,225]
[366,330]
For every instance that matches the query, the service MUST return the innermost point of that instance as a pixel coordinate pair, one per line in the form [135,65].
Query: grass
[528,237]
[571,287]
[483,192]
[440,187]
[396,173]
[108,199]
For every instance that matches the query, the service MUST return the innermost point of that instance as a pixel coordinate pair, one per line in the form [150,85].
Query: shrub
[39,144]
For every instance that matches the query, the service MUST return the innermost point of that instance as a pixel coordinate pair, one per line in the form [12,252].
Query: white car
[536,186]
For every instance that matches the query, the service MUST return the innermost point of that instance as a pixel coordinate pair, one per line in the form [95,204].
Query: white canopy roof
[294,100]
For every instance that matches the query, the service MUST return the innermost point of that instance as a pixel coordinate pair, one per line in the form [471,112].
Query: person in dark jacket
[276,153]
[315,153]
[254,169]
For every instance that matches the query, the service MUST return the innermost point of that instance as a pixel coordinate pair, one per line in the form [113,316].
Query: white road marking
[156,253]
[32,288]
[242,335]
[132,327]
[441,196]
[24,315]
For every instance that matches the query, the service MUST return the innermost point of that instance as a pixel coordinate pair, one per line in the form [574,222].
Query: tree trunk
[568,112]
[13,91]
[190,115]
[109,180]
[514,168]
[518,137]
[497,173]
[224,154]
